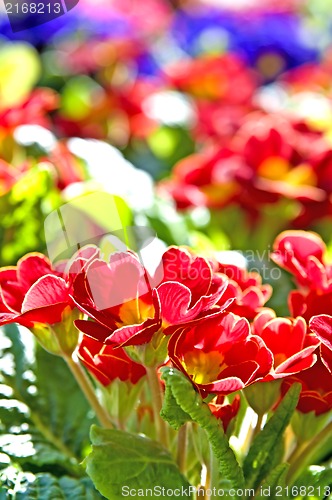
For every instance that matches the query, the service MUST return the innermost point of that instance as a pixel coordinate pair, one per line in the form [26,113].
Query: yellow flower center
[203,367]
[135,311]
[276,168]
[279,358]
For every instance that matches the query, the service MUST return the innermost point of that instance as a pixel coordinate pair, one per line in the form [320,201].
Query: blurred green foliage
[44,423]
[23,211]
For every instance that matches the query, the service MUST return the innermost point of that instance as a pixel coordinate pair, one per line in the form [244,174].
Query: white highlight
[107,166]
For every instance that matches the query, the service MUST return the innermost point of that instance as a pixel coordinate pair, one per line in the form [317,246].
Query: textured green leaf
[63,406]
[275,458]
[120,459]
[259,460]
[15,357]
[47,487]
[172,412]
[277,477]
[44,418]
[192,404]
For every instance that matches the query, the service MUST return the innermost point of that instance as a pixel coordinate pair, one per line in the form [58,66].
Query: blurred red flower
[276,162]
[247,288]
[266,159]
[68,168]
[217,78]
[207,178]
[316,394]
[33,110]
[303,254]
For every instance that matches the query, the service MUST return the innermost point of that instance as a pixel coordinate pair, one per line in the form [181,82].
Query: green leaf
[263,396]
[120,399]
[306,425]
[63,406]
[169,224]
[78,95]
[172,412]
[120,459]
[274,484]
[47,487]
[192,404]
[44,418]
[259,460]
[317,479]
[169,145]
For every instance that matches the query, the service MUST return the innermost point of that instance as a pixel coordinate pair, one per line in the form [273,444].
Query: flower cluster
[269,158]
[205,318]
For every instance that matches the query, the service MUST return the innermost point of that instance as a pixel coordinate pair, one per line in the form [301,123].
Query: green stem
[252,433]
[258,426]
[297,451]
[182,447]
[300,461]
[157,402]
[212,479]
[88,390]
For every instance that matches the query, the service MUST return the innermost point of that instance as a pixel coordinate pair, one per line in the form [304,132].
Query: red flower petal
[297,363]
[193,272]
[121,280]
[303,244]
[47,291]
[175,300]
[134,334]
[296,303]
[107,363]
[227,385]
[48,315]
[93,329]
[322,326]
[6,318]
[32,267]
[81,259]
[326,355]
